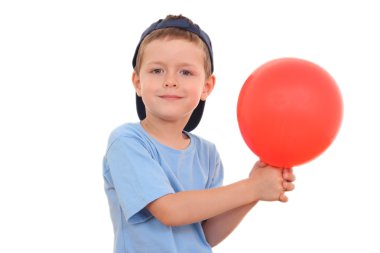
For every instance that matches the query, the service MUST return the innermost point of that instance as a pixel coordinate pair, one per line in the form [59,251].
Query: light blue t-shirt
[137,169]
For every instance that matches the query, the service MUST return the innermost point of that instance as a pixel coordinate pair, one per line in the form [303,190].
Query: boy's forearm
[193,206]
[217,228]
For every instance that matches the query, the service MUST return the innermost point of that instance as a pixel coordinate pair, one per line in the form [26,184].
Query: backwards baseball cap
[183,23]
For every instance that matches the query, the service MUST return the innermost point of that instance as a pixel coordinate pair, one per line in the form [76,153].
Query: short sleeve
[218,172]
[137,177]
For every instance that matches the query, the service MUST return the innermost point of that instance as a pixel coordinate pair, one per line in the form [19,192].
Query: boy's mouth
[170,97]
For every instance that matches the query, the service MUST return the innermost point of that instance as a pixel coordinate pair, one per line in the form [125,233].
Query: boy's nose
[170,79]
[170,84]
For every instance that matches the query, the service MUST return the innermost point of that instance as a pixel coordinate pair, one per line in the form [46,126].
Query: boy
[164,184]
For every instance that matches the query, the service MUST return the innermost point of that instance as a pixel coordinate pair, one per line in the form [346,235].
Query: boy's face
[172,79]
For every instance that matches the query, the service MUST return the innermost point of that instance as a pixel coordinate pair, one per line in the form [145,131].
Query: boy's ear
[136,83]
[208,87]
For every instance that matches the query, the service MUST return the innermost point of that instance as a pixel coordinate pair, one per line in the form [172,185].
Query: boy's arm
[217,228]
[187,207]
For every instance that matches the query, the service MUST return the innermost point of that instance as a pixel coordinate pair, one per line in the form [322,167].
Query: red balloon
[289,111]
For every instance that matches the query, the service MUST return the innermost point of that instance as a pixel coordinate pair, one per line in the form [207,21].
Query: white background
[65,70]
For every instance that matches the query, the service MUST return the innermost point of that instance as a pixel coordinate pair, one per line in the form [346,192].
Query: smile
[170,97]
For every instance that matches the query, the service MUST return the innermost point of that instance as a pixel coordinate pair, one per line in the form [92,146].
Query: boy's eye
[157,71]
[185,72]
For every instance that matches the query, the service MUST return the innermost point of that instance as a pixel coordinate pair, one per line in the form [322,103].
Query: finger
[288,186]
[288,175]
[283,198]
[284,185]
[260,164]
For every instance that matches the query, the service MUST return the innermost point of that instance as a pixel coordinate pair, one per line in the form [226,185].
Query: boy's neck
[170,135]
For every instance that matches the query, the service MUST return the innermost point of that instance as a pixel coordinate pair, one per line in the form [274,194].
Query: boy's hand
[270,183]
[288,179]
